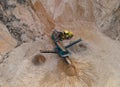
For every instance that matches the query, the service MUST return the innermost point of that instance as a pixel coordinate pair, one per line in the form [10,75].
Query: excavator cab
[59,48]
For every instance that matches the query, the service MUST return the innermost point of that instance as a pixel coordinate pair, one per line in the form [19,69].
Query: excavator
[61,50]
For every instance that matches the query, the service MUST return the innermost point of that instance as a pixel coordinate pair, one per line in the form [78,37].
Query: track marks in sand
[61,76]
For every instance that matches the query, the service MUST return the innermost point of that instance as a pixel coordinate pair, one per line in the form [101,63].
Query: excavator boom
[60,49]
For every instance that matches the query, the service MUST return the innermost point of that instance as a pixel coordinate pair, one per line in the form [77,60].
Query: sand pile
[77,74]
[68,69]
[38,59]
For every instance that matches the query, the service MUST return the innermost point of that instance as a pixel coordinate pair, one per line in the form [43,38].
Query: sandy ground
[96,59]
[97,65]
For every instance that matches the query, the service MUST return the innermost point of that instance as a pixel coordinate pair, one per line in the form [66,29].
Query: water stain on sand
[75,75]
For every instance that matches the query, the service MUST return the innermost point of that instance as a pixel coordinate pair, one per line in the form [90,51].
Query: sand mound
[69,70]
[38,59]
[69,75]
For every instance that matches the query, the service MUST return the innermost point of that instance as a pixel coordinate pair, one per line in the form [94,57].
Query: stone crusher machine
[61,50]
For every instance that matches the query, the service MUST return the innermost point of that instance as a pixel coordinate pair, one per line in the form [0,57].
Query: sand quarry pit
[26,28]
